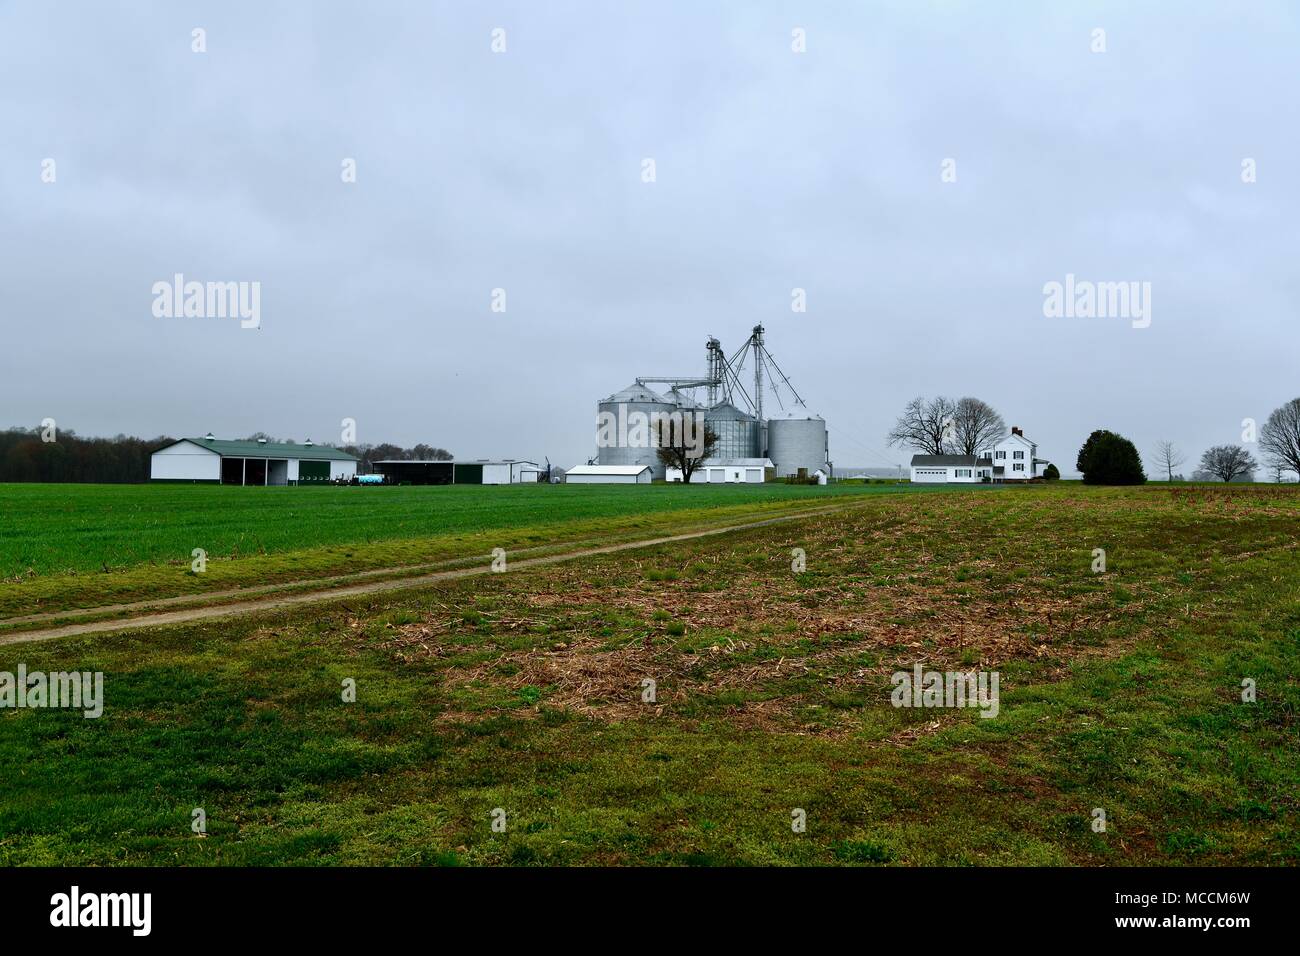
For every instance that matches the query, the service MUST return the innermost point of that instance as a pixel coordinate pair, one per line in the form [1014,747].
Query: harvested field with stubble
[529,691]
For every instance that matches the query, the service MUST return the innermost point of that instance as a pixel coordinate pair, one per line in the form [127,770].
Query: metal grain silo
[739,433]
[623,410]
[794,443]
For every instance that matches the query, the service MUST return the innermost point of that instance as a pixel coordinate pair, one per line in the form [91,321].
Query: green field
[1120,691]
[76,546]
[48,529]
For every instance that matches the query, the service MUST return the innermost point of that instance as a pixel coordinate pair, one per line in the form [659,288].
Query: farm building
[727,470]
[1014,458]
[259,462]
[509,471]
[950,469]
[608,475]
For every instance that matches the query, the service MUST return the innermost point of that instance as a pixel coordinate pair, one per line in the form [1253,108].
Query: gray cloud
[521,171]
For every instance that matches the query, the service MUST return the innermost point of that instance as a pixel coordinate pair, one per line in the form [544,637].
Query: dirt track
[281,601]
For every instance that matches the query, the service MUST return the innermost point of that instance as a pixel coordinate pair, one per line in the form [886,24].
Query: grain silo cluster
[730,399]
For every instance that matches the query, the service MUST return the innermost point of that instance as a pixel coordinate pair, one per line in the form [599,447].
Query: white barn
[215,461]
[608,475]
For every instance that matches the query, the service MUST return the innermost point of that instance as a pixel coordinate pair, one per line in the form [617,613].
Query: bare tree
[925,426]
[683,443]
[1227,462]
[1168,457]
[1279,439]
[976,427]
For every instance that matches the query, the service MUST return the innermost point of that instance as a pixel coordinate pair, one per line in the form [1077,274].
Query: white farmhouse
[1014,458]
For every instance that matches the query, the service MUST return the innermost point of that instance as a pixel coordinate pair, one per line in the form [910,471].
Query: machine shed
[218,461]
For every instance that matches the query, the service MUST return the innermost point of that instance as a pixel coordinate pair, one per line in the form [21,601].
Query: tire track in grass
[282,601]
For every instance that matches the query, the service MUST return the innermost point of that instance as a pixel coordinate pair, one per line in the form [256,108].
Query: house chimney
[1017,431]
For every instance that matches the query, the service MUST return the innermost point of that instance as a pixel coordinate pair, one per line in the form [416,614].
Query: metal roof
[255,449]
[636,393]
[607,469]
[923,461]
[414,461]
[725,411]
[450,461]
[682,399]
[736,463]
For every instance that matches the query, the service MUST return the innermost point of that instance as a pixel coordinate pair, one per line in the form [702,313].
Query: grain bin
[794,443]
[739,433]
[622,428]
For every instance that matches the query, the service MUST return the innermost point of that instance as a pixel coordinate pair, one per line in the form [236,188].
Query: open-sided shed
[218,461]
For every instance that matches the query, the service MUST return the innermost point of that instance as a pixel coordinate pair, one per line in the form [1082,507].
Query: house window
[1000,454]
[1019,454]
[963,473]
[1017,467]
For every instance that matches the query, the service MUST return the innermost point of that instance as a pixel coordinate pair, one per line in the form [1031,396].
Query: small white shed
[510,471]
[608,475]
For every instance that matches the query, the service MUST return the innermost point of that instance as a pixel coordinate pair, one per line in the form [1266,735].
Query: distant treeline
[27,455]
[369,454]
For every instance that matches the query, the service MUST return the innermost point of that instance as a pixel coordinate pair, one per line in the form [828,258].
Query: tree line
[47,454]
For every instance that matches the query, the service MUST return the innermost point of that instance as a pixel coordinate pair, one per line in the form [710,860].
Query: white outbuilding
[715,471]
[216,461]
[608,475]
[950,469]
[510,471]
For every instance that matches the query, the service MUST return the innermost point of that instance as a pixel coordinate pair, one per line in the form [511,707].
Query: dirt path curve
[379,587]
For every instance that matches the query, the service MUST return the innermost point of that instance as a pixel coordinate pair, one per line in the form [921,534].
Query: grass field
[57,528]
[70,546]
[1120,691]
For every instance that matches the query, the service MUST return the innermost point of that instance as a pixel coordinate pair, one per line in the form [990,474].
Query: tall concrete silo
[794,443]
[622,443]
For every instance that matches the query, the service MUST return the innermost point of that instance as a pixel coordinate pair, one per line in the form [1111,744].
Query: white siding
[929,475]
[605,479]
[342,469]
[184,461]
[1004,455]
[947,474]
[496,473]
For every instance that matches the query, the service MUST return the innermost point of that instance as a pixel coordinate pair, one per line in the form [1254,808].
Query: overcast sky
[523,170]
